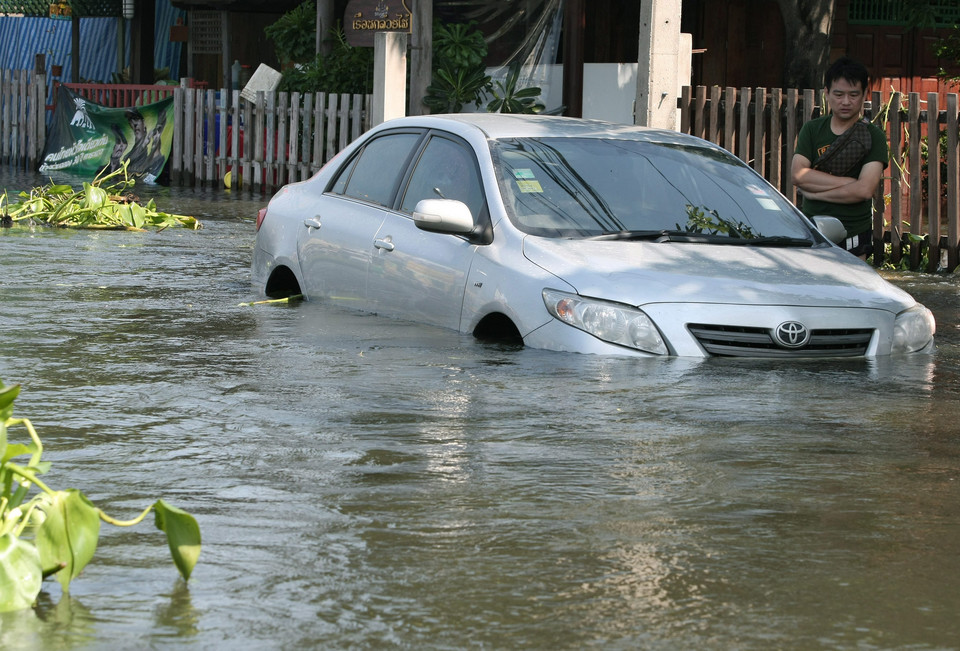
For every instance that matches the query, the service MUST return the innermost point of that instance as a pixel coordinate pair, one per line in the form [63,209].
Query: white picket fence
[282,137]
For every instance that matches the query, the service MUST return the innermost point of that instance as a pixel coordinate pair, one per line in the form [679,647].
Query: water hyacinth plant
[46,532]
[104,202]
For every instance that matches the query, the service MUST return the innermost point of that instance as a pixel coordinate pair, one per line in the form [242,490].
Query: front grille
[739,341]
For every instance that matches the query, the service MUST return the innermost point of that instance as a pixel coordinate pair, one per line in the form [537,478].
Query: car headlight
[613,322]
[913,329]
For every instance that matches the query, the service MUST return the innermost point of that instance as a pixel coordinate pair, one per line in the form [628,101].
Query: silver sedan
[577,235]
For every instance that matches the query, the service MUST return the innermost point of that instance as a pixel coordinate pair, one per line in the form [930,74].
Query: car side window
[343,176]
[446,170]
[376,171]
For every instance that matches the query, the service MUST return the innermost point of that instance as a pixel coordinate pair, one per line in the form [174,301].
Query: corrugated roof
[241,6]
[85,8]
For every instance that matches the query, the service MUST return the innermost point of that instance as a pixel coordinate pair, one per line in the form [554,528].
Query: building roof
[247,6]
[82,8]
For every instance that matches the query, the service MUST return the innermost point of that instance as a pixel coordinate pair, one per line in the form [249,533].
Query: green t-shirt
[813,141]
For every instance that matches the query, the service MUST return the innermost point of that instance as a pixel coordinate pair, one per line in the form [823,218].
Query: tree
[808,25]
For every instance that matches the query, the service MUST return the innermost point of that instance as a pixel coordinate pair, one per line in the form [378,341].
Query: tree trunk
[807,24]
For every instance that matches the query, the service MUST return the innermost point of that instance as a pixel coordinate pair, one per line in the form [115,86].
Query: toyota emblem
[792,334]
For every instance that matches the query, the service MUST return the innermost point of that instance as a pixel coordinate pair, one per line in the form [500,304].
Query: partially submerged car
[577,235]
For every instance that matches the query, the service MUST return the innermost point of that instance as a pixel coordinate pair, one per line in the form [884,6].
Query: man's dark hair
[846,68]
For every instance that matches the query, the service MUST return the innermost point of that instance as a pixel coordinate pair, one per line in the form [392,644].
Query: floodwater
[366,483]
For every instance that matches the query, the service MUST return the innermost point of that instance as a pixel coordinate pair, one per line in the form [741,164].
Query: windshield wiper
[661,235]
[665,235]
[776,240]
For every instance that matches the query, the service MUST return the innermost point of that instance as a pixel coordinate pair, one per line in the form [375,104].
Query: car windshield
[625,189]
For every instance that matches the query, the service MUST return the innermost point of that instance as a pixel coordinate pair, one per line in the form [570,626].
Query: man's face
[845,99]
[139,128]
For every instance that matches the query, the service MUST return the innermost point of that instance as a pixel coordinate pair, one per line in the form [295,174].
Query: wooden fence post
[743,143]
[210,141]
[176,149]
[916,193]
[933,182]
[729,121]
[953,182]
[685,109]
[792,130]
[896,176]
[303,168]
[319,123]
[775,169]
[877,204]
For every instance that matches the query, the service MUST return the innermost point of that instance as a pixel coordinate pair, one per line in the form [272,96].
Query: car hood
[639,273]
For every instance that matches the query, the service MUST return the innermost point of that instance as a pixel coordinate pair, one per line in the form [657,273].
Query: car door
[420,275]
[336,242]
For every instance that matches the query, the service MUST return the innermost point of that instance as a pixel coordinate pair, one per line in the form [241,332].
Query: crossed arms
[815,184]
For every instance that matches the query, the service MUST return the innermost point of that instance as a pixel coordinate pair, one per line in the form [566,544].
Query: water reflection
[369,483]
[63,624]
[178,614]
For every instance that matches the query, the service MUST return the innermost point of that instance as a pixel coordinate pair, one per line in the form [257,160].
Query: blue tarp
[23,38]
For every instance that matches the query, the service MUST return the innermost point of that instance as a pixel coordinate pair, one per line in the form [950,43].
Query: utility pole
[659,64]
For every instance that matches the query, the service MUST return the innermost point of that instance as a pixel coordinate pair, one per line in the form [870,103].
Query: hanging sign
[86,138]
[364,18]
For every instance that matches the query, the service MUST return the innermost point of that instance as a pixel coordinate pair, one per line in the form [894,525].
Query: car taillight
[260,215]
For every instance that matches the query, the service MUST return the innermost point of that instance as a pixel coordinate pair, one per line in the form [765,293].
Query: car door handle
[384,244]
[312,222]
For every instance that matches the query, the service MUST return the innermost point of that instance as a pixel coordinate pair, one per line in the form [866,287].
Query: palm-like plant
[459,76]
[508,99]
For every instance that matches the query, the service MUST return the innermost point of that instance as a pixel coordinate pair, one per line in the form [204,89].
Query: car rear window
[375,173]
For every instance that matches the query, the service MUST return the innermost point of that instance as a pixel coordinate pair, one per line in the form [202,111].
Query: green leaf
[138,214]
[530,91]
[14,450]
[60,189]
[183,536]
[95,196]
[7,395]
[68,535]
[20,575]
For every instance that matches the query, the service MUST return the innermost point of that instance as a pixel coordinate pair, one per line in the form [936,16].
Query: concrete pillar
[389,76]
[421,56]
[324,25]
[684,69]
[658,64]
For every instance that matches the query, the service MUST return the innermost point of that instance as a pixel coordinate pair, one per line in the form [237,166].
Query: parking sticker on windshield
[768,203]
[529,186]
[526,181]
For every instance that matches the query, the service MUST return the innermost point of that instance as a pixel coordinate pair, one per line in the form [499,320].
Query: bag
[846,151]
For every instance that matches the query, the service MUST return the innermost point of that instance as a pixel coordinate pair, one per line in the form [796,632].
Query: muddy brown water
[366,483]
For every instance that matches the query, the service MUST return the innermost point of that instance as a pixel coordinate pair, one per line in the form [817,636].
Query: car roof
[506,125]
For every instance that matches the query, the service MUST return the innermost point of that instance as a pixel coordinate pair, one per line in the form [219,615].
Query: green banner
[86,138]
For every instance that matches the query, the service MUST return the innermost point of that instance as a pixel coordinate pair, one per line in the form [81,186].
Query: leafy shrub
[294,34]
[56,532]
[346,69]
[507,98]
[459,76]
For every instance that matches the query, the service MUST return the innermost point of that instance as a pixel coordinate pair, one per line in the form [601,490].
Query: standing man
[840,158]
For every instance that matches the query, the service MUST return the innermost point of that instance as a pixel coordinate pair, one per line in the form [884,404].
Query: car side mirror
[831,228]
[443,216]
